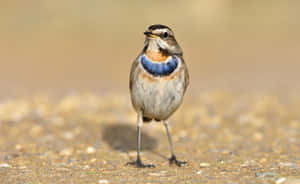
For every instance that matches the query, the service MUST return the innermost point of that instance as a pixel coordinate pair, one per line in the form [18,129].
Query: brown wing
[132,72]
[186,75]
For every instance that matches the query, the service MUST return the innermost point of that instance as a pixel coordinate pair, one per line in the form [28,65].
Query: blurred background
[240,121]
[54,45]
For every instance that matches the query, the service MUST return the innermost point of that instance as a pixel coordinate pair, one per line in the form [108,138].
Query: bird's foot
[138,164]
[177,162]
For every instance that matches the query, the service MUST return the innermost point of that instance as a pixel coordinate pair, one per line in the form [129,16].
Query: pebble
[93,160]
[164,172]
[155,174]
[103,181]
[161,173]
[62,169]
[90,150]
[204,164]
[288,164]
[86,167]
[265,174]
[280,180]
[71,161]
[199,172]
[5,165]
[22,167]
[18,147]
[66,152]
[248,163]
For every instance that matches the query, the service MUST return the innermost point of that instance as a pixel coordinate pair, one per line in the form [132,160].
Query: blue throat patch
[159,69]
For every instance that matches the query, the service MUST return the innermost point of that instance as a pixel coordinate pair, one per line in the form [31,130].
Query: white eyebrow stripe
[159,31]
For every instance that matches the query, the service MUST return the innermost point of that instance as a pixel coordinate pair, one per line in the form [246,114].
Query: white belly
[158,99]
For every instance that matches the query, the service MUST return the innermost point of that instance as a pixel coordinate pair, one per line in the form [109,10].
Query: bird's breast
[158,97]
[158,92]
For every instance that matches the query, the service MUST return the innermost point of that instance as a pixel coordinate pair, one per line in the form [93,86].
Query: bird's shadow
[123,137]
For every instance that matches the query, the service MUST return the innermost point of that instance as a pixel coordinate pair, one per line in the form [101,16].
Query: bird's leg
[173,156]
[138,163]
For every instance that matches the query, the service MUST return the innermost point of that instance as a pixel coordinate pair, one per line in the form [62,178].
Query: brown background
[239,122]
[53,45]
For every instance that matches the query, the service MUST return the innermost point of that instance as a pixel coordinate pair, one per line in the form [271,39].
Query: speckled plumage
[158,79]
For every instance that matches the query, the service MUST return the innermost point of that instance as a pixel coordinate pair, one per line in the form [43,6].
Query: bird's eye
[166,35]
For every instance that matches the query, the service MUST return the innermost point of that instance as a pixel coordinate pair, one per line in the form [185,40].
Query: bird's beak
[149,34]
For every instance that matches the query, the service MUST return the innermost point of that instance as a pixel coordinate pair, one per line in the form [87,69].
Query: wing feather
[132,72]
[186,75]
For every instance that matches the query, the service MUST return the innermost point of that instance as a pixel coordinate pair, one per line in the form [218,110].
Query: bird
[158,81]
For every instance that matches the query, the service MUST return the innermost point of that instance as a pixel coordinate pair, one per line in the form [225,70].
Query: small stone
[155,174]
[62,169]
[90,150]
[93,160]
[265,174]
[199,172]
[163,172]
[288,164]
[204,164]
[86,167]
[248,163]
[226,152]
[66,152]
[280,180]
[103,181]
[5,165]
[245,164]
[18,147]
[262,160]
[71,161]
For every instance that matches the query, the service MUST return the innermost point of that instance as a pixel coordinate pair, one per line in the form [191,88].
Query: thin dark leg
[138,158]
[138,163]
[173,156]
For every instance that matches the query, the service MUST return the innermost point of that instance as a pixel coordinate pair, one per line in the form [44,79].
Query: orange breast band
[156,57]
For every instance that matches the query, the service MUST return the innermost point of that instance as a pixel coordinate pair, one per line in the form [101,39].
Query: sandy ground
[247,134]
[226,137]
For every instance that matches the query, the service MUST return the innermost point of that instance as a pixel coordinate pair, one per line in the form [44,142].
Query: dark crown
[158,26]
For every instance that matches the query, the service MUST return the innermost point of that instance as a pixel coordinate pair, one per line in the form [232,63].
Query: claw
[139,164]
[177,162]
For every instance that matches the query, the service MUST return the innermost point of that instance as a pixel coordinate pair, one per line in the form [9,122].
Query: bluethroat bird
[158,80]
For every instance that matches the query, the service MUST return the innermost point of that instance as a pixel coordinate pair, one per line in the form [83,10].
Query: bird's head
[160,38]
